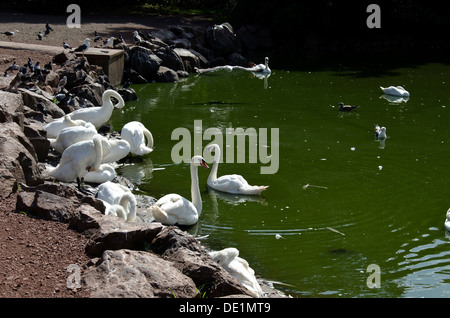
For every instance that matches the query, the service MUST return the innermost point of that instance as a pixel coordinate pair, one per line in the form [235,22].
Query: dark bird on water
[347,108]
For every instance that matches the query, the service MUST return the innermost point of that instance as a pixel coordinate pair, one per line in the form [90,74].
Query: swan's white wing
[111,192]
[175,209]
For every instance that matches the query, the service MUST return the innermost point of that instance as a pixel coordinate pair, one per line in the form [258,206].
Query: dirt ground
[35,254]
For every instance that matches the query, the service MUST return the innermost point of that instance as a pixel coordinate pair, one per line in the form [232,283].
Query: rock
[112,233]
[31,99]
[17,158]
[63,57]
[221,41]
[128,94]
[143,61]
[190,60]
[253,37]
[46,205]
[91,92]
[37,137]
[11,108]
[237,59]
[170,59]
[134,76]
[52,79]
[127,273]
[165,75]
[189,256]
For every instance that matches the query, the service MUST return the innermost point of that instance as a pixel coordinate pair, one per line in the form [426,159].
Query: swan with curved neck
[174,209]
[77,160]
[99,115]
[239,268]
[136,133]
[118,200]
[235,184]
[126,209]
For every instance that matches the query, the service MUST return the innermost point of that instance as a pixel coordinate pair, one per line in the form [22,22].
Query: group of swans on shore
[86,155]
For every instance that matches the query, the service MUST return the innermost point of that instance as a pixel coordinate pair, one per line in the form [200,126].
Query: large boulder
[221,40]
[144,61]
[131,274]
[18,159]
[166,75]
[189,256]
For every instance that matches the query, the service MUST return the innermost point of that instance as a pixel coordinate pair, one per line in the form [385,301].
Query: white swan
[118,199]
[135,133]
[447,221]
[235,184]
[239,268]
[54,128]
[115,149]
[104,173]
[98,115]
[260,68]
[395,91]
[380,133]
[173,209]
[77,160]
[71,135]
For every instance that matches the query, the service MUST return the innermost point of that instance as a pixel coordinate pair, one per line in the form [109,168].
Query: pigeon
[48,27]
[30,64]
[97,37]
[48,66]
[41,107]
[12,67]
[66,46]
[62,83]
[46,32]
[40,36]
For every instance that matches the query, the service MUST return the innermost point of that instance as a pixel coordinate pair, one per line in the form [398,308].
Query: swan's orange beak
[203,164]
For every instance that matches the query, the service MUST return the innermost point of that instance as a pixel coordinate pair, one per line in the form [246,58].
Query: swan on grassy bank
[235,184]
[118,200]
[239,268]
[136,133]
[174,209]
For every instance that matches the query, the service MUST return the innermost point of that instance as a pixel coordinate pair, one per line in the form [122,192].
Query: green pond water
[379,204]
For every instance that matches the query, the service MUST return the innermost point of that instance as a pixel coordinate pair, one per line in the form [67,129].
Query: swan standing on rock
[235,184]
[239,268]
[77,160]
[174,209]
[71,135]
[118,199]
[97,115]
[135,133]
[395,91]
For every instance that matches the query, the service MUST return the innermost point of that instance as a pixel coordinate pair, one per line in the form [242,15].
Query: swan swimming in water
[118,199]
[447,221]
[239,268]
[260,68]
[395,91]
[54,128]
[235,184]
[71,135]
[97,115]
[77,160]
[135,133]
[174,209]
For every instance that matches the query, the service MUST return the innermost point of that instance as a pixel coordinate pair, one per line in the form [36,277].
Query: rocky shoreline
[139,259]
